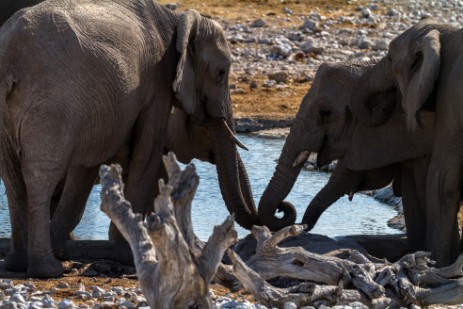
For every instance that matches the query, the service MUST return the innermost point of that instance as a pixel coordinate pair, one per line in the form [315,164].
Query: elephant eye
[324,114]
[221,75]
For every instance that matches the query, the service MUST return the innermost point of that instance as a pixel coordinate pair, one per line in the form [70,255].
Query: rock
[172,6]
[66,304]
[307,46]
[366,13]
[290,305]
[48,301]
[392,12]
[259,23]
[6,283]
[281,48]
[381,45]
[309,25]
[296,36]
[269,83]
[125,304]
[287,10]
[62,285]
[279,76]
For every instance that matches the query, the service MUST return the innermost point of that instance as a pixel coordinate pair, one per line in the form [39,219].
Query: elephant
[425,62]
[408,182]
[325,124]
[86,82]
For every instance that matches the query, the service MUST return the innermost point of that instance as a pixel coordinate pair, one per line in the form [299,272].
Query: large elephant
[326,125]
[82,81]
[426,61]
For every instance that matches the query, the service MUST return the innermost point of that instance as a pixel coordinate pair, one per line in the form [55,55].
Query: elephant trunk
[374,103]
[288,168]
[327,196]
[233,179]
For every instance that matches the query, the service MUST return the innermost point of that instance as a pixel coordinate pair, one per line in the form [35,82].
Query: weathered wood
[302,295]
[169,272]
[411,280]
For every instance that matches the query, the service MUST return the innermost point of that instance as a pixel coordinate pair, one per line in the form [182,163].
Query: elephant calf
[370,157]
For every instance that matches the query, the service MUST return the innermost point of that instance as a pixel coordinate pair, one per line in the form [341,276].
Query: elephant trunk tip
[273,223]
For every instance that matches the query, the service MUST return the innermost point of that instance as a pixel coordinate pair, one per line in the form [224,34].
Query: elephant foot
[59,245]
[45,266]
[16,262]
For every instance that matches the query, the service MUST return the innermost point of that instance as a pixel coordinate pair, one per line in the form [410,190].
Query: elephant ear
[185,83]
[422,79]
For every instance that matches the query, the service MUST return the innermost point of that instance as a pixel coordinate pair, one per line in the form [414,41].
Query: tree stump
[174,269]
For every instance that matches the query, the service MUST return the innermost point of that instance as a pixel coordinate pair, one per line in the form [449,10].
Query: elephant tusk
[351,196]
[232,135]
[301,158]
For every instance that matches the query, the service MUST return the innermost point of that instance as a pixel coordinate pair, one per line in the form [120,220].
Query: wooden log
[170,274]
[302,295]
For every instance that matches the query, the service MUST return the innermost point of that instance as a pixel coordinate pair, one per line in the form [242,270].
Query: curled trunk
[233,179]
[281,184]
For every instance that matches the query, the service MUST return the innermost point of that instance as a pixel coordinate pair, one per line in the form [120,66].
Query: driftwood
[330,280]
[174,269]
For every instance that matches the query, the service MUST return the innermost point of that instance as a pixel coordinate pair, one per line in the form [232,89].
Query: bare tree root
[174,268]
[331,280]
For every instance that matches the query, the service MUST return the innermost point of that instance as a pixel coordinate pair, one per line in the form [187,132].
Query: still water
[363,215]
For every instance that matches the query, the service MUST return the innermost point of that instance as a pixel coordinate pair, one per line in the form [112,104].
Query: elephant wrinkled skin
[86,82]
[371,157]
[426,61]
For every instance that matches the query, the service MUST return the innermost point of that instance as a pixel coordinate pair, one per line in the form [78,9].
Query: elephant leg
[413,196]
[443,203]
[162,173]
[16,260]
[41,182]
[78,185]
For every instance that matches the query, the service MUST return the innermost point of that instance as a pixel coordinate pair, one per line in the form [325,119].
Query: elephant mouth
[211,157]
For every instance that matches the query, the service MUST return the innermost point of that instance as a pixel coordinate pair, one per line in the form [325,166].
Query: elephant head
[325,124]
[410,68]
[201,89]
[320,120]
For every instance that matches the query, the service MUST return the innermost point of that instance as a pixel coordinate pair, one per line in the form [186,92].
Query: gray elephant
[326,125]
[85,82]
[426,61]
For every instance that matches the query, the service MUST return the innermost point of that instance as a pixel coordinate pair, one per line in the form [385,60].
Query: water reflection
[363,215]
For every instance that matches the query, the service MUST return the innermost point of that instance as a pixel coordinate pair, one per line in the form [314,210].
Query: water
[363,215]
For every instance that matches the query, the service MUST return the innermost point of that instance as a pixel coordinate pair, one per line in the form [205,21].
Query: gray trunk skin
[283,180]
[233,179]
[40,261]
[345,181]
